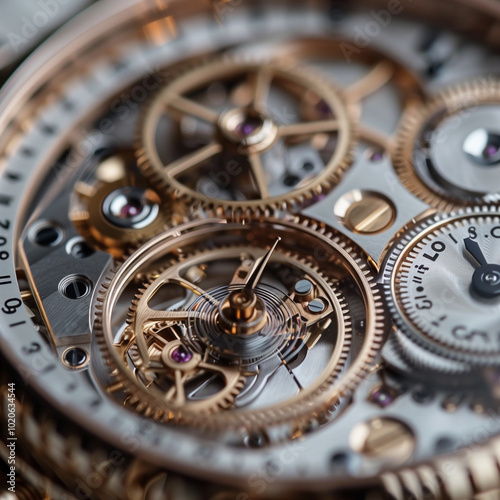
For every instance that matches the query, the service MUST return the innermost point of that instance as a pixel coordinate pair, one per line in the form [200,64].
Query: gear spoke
[192,160]
[177,392]
[163,341]
[177,279]
[194,288]
[149,315]
[379,76]
[374,137]
[263,80]
[309,128]
[193,108]
[259,175]
[246,132]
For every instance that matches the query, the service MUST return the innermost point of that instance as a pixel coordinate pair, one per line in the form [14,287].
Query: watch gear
[115,210]
[266,313]
[236,125]
[448,151]
[172,371]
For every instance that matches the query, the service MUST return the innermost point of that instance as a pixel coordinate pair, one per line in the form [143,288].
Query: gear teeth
[380,325]
[134,400]
[455,361]
[451,100]
[336,386]
[236,210]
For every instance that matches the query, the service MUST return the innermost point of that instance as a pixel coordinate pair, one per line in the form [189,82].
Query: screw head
[386,439]
[303,287]
[316,306]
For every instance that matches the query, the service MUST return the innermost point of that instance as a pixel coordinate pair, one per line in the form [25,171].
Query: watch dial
[252,250]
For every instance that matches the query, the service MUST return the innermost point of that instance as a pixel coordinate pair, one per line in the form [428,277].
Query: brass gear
[248,130]
[118,175]
[164,342]
[311,403]
[417,126]
[233,374]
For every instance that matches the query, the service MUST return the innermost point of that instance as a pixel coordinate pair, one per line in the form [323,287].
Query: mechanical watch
[250,250]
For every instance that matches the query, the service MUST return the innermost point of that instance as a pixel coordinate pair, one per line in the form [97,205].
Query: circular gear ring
[246,131]
[141,319]
[416,130]
[335,380]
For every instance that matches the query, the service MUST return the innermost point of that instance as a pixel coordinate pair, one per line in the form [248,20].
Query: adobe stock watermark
[259,482]
[363,36]
[224,8]
[11,437]
[123,106]
[38,21]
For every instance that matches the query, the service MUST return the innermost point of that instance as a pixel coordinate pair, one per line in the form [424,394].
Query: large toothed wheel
[232,135]
[250,319]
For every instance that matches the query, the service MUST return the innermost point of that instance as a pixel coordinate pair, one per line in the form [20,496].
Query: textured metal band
[24,24]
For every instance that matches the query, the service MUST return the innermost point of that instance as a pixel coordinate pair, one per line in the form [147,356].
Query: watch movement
[250,250]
